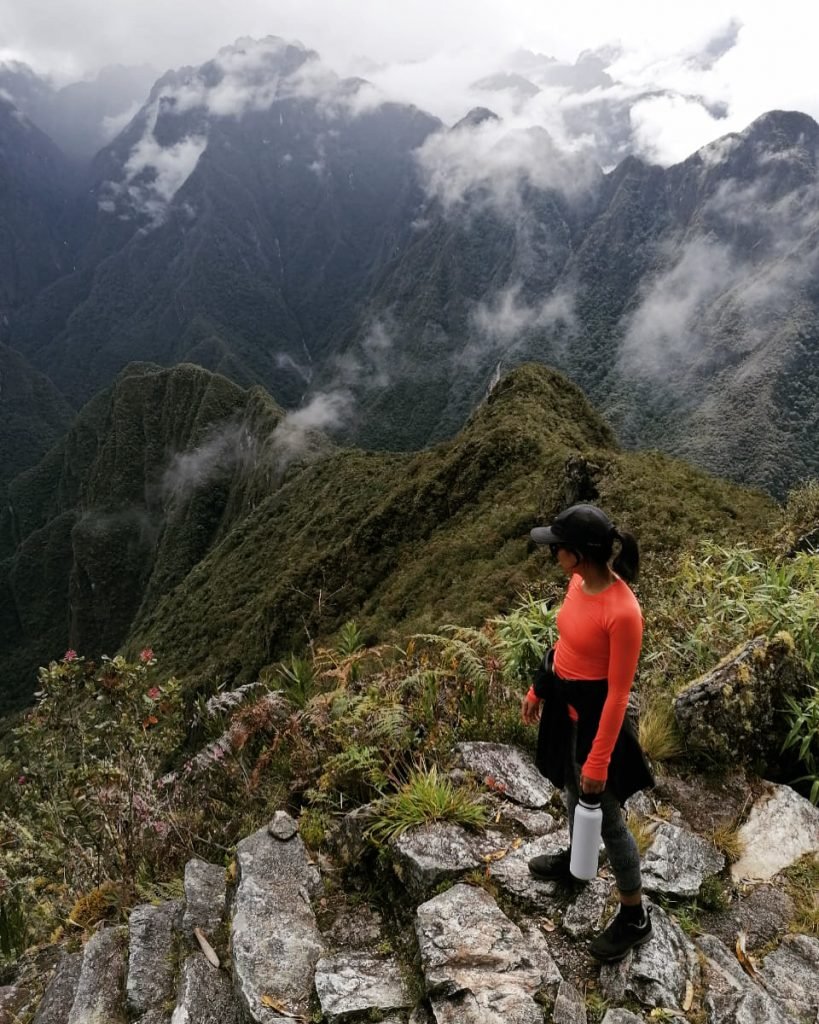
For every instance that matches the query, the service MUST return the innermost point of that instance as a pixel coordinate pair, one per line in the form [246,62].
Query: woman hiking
[580,694]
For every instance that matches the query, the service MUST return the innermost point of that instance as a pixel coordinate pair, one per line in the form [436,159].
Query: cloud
[231,448]
[299,435]
[668,129]
[506,317]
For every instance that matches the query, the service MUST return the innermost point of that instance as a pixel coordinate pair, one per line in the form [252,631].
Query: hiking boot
[620,936]
[551,867]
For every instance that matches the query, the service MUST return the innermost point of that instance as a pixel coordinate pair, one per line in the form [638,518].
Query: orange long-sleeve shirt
[600,636]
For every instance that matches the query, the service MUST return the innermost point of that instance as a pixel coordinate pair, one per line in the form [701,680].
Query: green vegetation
[803,885]
[425,798]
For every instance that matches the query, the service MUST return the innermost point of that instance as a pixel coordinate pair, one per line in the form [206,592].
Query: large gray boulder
[151,958]
[205,889]
[511,872]
[791,974]
[730,996]
[733,714]
[584,915]
[101,986]
[275,941]
[477,965]
[660,973]
[507,770]
[782,827]
[351,985]
[58,998]
[424,857]
[205,995]
[677,862]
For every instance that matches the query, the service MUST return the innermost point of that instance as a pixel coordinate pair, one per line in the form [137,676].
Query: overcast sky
[433,48]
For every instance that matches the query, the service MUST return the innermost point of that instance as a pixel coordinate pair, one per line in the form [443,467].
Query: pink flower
[146,655]
[70,655]
[153,693]
[21,780]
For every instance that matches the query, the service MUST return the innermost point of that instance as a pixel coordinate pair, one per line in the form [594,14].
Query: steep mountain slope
[34,180]
[235,223]
[33,416]
[183,513]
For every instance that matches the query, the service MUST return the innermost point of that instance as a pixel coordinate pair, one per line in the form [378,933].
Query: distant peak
[783,126]
[475,117]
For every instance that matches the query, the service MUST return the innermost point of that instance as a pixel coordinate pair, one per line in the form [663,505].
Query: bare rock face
[426,856]
[535,823]
[569,1007]
[511,771]
[353,984]
[58,998]
[782,827]
[791,975]
[658,973]
[101,987]
[731,997]
[538,947]
[275,941]
[621,1016]
[763,914]
[205,995]
[150,957]
[585,915]
[512,872]
[731,714]
[477,964]
[205,888]
[678,861]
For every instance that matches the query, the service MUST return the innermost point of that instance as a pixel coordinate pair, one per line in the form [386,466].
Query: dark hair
[627,562]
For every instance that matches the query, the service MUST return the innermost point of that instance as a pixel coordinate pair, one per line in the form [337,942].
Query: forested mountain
[187,514]
[271,222]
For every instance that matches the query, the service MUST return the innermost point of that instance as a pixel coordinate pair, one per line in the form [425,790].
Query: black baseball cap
[579,526]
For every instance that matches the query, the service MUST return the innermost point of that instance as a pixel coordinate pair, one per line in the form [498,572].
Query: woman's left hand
[588,785]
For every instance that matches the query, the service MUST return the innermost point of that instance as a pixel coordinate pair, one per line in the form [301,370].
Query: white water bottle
[588,825]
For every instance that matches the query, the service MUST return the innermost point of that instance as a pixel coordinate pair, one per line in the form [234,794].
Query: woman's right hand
[530,710]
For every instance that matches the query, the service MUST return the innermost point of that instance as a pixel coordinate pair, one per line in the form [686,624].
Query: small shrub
[426,798]
[712,894]
[802,881]
[727,840]
[313,827]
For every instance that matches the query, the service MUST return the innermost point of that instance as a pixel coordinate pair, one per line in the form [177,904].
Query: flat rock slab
[477,964]
[763,914]
[538,946]
[620,1016]
[205,888]
[678,861]
[55,1006]
[791,975]
[569,1007]
[510,771]
[350,985]
[536,823]
[658,973]
[426,856]
[513,876]
[205,995]
[275,941]
[731,997]
[584,916]
[782,827]
[101,986]
[150,957]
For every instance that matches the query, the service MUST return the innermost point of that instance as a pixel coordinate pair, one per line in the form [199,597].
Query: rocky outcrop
[584,916]
[621,1017]
[426,856]
[59,995]
[100,989]
[791,974]
[660,973]
[360,984]
[782,827]
[507,770]
[731,997]
[732,714]
[475,960]
[275,941]
[569,1007]
[205,890]
[511,872]
[205,995]
[677,862]
[151,966]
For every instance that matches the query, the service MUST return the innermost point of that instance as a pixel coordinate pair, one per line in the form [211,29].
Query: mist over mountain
[83,116]
[269,220]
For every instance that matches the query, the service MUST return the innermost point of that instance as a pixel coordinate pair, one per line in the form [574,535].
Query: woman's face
[566,559]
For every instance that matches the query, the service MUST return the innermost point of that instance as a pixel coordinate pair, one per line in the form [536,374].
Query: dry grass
[659,736]
[641,830]
[803,888]
[727,840]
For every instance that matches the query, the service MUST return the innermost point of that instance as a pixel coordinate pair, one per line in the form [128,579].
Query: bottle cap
[590,799]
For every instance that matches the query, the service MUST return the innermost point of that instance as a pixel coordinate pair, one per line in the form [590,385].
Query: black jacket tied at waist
[628,769]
